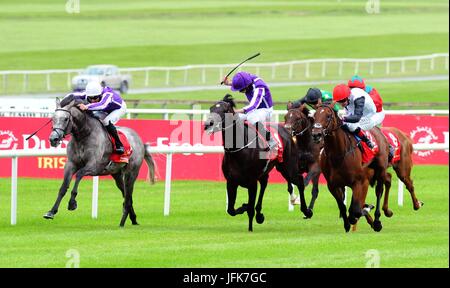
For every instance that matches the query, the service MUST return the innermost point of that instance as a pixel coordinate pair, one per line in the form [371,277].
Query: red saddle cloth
[274,153]
[368,154]
[121,158]
[393,140]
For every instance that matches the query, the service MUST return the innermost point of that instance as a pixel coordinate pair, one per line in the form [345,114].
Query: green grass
[199,233]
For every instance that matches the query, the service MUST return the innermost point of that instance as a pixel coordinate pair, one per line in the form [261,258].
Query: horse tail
[150,163]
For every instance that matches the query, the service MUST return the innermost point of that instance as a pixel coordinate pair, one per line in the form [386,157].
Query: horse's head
[326,121]
[218,113]
[297,121]
[62,120]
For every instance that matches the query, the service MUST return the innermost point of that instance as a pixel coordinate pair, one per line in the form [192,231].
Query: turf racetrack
[199,233]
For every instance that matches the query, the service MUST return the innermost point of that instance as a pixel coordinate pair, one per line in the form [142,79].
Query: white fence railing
[168,150]
[21,112]
[26,81]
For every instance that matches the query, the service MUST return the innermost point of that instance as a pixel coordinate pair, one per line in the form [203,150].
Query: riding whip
[250,58]
[38,129]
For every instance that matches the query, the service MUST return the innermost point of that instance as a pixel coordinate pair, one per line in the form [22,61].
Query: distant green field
[199,233]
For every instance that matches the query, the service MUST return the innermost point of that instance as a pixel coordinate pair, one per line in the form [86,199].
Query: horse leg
[231,194]
[129,179]
[69,170]
[292,176]
[338,194]
[403,171]
[73,194]
[252,190]
[359,192]
[387,186]
[379,193]
[118,177]
[263,182]
[314,191]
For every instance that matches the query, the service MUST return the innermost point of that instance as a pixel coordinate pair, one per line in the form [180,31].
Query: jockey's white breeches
[366,123]
[379,117]
[115,115]
[262,115]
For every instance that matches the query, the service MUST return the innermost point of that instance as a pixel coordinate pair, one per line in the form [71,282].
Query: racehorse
[88,154]
[402,168]
[245,165]
[299,124]
[341,164]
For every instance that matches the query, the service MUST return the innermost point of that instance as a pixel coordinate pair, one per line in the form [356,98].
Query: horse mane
[229,99]
[70,100]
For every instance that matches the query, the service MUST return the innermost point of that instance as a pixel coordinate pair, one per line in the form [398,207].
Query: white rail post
[432,63]
[273,71]
[14,169]
[341,66]
[203,75]
[418,65]
[356,67]
[291,68]
[167,77]
[25,82]
[324,68]
[403,66]
[5,83]
[307,70]
[167,186]
[146,77]
[400,193]
[388,67]
[94,197]
[48,81]
[68,80]
[446,62]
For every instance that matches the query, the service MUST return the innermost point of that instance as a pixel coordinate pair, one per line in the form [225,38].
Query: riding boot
[391,153]
[113,132]
[270,141]
[358,132]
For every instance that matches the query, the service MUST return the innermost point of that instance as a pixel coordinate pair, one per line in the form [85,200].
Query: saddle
[367,153]
[121,158]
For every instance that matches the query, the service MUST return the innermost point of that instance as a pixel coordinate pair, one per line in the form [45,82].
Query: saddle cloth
[367,153]
[121,158]
[394,141]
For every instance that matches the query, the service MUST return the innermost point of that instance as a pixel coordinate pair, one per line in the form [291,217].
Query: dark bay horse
[403,169]
[88,154]
[341,164]
[243,164]
[298,122]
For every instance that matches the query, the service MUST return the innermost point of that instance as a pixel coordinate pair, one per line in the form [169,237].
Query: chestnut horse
[402,168]
[341,164]
[299,124]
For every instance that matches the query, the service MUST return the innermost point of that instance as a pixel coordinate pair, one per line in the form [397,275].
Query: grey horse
[88,154]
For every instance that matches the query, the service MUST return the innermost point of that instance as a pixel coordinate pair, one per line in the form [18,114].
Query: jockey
[358,82]
[315,97]
[359,108]
[260,107]
[108,101]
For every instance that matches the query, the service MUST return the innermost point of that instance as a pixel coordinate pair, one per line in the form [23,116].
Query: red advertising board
[14,131]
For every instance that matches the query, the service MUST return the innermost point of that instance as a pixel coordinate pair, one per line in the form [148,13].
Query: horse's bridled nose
[287,126]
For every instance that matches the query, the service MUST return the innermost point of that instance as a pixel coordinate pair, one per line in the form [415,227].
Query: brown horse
[403,169]
[299,124]
[341,164]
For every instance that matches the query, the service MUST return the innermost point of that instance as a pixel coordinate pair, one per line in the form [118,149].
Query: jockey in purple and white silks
[260,107]
[106,100]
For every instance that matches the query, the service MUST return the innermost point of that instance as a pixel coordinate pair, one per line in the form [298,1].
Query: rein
[57,129]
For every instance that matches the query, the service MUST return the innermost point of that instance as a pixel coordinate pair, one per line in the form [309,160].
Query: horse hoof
[377,226]
[49,215]
[352,220]
[417,207]
[388,213]
[347,227]
[135,223]
[308,213]
[259,218]
[72,205]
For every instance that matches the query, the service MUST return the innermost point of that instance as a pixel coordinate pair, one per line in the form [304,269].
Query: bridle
[325,131]
[60,131]
[293,133]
